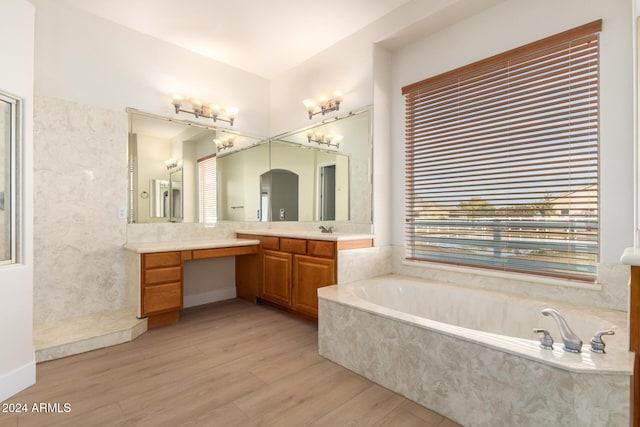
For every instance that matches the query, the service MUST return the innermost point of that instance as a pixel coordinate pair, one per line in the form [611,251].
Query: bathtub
[472,356]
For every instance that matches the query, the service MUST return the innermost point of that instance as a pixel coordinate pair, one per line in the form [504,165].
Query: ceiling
[262,37]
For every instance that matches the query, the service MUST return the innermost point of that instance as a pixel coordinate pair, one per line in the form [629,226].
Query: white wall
[514,23]
[86,59]
[88,71]
[358,67]
[17,361]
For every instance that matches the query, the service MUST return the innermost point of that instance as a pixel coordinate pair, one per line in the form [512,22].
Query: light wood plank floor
[225,364]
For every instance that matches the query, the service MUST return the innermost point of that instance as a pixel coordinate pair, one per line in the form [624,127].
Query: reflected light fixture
[323,104]
[171,163]
[224,143]
[321,138]
[202,109]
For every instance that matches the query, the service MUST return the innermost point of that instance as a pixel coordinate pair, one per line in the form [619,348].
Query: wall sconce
[321,138]
[323,104]
[224,143]
[171,163]
[201,109]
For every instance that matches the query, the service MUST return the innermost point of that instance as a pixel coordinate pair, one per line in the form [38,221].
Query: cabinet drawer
[162,298]
[322,248]
[162,275]
[295,246]
[270,242]
[162,259]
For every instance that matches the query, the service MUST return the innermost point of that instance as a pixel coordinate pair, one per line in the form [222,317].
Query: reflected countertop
[308,234]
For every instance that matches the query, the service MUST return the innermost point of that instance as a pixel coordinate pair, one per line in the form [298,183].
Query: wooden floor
[225,364]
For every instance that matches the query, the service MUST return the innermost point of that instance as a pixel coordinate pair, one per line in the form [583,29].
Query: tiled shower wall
[80,181]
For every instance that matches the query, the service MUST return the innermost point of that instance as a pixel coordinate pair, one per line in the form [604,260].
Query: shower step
[75,335]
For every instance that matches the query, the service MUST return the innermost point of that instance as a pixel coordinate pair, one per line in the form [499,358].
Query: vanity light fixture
[224,143]
[171,163]
[321,138]
[202,109]
[323,104]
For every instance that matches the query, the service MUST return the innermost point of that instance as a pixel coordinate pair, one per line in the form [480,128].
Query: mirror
[333,160]
[175,196]
[238,181]
[159,203]
[307,183]
[296,176]
[166,167]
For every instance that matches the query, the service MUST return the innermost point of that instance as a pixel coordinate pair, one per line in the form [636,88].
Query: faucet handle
[597,345]
[546,341]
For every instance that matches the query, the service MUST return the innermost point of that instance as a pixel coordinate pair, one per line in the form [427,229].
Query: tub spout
[572,343]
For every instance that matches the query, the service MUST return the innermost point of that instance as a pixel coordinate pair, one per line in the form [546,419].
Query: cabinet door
[161,298]
[276,277]
[309,274]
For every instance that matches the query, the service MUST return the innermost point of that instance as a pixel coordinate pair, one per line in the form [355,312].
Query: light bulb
[232,111]
[309,103]
[337,95]
[195,102]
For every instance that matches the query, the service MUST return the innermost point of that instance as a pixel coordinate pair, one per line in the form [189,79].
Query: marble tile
[610,291]
[70,336]
[175,232]
[465,381]
[80,182]
[359,264]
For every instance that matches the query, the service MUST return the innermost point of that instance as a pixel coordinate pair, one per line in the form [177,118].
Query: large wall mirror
[179,174]
[332,162]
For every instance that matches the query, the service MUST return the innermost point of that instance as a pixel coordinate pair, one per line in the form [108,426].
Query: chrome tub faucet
[326,229]
[572,343]
[597,345]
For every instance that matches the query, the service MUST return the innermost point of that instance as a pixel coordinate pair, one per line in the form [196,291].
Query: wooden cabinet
[276,277]
[309,274]
[291,271]
[287,272]
[161,287]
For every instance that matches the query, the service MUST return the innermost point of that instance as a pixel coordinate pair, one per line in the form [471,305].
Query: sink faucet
[572,343]
[324,229]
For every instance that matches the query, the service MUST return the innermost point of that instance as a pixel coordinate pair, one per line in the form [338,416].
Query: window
[502,160]
[207,189]
[9,108]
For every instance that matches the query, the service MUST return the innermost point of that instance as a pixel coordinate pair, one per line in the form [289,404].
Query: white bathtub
[472,356]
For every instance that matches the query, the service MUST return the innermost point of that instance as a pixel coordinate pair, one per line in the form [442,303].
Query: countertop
[142,248]
[631,256]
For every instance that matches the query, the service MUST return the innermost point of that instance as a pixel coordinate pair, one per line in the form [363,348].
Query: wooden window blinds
[502,160]
[207,190]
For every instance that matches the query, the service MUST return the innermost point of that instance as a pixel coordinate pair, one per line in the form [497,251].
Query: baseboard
[17,380]
[209,297]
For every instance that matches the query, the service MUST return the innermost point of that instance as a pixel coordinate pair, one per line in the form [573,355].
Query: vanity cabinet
[309,274]
[161,287]
[276,277]
[291,271]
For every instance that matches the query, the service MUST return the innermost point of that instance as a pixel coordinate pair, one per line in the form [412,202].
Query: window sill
[521,278]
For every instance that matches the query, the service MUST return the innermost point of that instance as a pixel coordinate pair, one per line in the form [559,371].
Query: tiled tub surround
[422,340]
[611,289]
